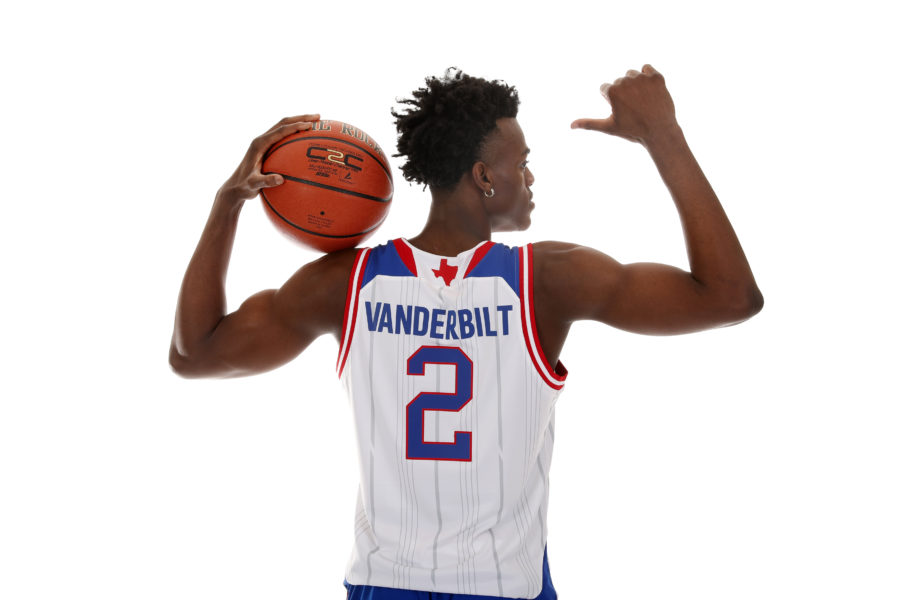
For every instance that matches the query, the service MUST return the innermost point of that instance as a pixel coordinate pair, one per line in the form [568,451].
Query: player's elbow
[179,363]
[742,305]
[201,365]
[756,302]
[186,366]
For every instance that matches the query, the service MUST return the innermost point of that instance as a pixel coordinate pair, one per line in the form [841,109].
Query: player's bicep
[563,283]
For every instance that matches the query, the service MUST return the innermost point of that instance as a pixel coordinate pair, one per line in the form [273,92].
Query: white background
[756,461]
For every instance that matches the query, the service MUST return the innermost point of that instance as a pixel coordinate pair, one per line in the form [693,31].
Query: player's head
[444,126]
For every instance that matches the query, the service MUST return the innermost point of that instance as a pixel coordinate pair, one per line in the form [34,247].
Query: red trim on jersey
[524,313]
[479,254]
[557,377]
[406,255]
[560,375]
[350,306]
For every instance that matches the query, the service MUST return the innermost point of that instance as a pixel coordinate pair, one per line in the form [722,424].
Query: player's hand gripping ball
[337,186]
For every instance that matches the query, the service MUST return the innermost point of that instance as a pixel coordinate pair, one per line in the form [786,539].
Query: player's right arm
[271,327]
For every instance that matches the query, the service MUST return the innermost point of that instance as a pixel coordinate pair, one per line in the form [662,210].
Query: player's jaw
[512,202]
[512,213]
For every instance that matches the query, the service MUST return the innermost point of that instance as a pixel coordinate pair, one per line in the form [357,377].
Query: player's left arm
[575,282]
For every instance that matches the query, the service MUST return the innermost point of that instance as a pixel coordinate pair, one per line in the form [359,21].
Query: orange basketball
[337,186]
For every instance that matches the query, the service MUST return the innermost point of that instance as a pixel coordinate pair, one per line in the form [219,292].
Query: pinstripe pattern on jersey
[463,527]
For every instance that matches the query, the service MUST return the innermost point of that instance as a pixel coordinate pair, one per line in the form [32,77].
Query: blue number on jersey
[416,446]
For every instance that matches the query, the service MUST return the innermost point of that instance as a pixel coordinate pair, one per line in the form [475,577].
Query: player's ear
[481,177]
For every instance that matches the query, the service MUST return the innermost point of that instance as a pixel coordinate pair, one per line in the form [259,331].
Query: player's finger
[632,73]
[289,127]
[649,70]
[267,140]
[605,125]
[296,119]
[604,89]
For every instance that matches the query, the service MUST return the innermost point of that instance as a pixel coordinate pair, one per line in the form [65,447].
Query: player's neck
[456,223]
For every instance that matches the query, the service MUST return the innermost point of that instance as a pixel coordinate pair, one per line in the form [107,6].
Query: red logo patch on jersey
[446,272]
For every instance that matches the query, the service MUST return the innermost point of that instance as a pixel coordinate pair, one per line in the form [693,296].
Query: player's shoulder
[558,254]
[553,249]
[563,263]
[334,264]
[570,280]
[316,291]
[326,277]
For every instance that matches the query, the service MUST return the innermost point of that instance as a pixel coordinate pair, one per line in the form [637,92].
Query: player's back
[453,407]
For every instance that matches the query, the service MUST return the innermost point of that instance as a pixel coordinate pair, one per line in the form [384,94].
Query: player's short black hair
[445,123]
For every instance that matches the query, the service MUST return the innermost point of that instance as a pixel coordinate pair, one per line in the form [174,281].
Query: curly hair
[446,122]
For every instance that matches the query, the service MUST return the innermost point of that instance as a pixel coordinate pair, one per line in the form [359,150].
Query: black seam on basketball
[329,187]
[334,139]
[309,231]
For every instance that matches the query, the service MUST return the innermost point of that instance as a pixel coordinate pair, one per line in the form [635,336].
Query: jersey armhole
[554,377]
[350,305]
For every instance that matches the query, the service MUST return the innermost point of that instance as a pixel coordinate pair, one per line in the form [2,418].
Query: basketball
[337,186]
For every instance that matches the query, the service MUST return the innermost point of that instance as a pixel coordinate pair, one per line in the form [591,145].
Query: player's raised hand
[641,107]
[247,179]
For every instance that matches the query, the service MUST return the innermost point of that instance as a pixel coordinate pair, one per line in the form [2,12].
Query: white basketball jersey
[453,403]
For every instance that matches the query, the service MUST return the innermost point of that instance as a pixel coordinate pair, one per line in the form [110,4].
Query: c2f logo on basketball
[336,156]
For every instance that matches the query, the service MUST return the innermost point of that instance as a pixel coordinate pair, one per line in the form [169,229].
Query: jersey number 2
[416,446]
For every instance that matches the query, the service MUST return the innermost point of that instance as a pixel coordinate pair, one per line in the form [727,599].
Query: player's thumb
[269,180]
[606,125]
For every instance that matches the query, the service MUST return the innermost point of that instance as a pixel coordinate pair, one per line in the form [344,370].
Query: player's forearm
[201,302]
[717,260]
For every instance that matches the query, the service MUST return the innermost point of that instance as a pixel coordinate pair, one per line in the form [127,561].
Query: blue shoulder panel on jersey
[384,260]
[500,261]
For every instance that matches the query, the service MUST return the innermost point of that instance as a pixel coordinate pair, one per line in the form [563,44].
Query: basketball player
[449,343]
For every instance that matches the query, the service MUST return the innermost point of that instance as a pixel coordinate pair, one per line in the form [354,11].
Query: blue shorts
[371,592]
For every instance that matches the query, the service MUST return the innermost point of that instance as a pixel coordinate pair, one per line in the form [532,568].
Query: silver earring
[491,195]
